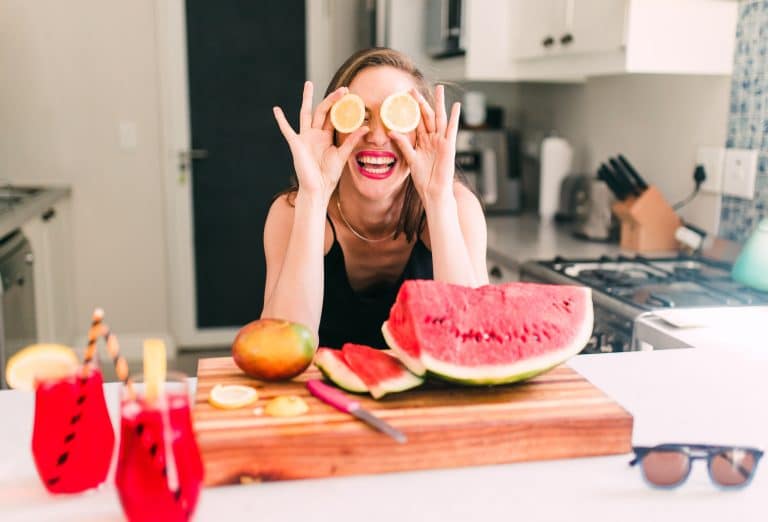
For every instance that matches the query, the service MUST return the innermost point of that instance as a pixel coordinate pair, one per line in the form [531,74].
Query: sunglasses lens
[732,467]
[665,468]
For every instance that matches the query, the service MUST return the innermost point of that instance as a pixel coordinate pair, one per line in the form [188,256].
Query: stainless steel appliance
[623,288]
[490,162]
[445,28]
[18,326]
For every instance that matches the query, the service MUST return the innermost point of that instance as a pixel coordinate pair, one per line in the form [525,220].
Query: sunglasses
[668,465]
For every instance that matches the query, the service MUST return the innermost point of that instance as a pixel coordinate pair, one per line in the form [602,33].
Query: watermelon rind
[337,371]
[415,366]
[518,371]
[406,381]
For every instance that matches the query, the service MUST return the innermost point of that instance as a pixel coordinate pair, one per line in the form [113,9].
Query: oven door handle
[490,177]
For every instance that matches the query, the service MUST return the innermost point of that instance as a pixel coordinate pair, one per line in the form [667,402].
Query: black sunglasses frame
[698,452]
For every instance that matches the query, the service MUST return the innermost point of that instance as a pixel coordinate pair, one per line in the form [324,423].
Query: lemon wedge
[400,112]
[232,396]
[39,361]
[286,406]
[348,113]
[154,368]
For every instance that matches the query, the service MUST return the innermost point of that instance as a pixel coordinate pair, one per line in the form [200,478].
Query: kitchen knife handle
[636,175]
[625,178]
[332,396]
[605,174]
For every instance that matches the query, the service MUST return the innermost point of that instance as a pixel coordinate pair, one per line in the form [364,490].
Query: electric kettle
[751,267]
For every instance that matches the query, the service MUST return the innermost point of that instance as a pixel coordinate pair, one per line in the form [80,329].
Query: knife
[633,172]
[605,174]
[626,178]
[341,402]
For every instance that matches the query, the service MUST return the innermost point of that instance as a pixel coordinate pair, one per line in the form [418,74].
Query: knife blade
[341,402]
[625,177]
[633,172]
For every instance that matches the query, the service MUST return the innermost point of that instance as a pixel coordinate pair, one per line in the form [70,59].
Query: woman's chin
[378,185]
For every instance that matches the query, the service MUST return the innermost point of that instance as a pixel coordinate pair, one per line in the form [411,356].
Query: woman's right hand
[318,162]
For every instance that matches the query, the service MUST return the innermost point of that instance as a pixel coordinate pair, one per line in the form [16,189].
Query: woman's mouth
[375,164]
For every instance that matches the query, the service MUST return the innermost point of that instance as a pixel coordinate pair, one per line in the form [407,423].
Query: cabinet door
[536,27]
[593,26]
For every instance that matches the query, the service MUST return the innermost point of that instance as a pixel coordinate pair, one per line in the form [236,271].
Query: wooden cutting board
[556,415]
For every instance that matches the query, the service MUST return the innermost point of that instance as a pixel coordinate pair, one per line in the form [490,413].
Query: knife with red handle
[341,402]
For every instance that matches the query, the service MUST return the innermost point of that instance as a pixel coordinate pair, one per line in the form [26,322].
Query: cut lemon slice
[348,113]
[154,368]
[39,361]
[286,406]
[232,396]
[400,112]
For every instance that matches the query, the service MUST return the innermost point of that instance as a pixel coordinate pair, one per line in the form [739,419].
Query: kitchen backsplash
[748,116]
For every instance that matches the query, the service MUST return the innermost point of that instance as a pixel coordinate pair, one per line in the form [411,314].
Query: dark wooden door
[244,57]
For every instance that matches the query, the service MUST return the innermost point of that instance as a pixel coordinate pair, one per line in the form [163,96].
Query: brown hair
[412,215]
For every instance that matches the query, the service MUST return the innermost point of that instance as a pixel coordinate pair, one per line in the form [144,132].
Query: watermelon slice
[331,362]
[489,335]
[381,372]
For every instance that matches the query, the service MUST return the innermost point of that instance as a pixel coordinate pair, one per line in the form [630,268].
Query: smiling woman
[373,206]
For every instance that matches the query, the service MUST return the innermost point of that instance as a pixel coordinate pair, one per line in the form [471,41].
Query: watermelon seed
[524,338]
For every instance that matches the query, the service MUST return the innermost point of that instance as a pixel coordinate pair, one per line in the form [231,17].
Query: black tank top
[356,317]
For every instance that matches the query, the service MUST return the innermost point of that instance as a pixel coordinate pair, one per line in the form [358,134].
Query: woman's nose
[377,133]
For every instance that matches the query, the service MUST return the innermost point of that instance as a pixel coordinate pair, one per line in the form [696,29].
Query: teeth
[377,170]
[375,160]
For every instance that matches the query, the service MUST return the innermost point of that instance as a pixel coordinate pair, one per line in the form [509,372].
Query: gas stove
[625,287]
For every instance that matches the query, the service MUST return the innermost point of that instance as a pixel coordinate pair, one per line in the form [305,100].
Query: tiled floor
[185,362]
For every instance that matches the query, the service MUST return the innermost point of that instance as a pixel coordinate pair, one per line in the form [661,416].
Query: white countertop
[686,395]
[520,238]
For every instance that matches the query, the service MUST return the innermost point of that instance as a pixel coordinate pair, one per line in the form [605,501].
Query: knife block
[648,222]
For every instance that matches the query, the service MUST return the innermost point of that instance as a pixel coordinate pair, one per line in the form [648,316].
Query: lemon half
[400,112]
[39,361]
[348,113]
[232,396]
[286,406]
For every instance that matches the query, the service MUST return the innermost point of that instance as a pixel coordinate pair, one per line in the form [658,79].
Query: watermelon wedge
[381,372]
[332,364]
[489,335]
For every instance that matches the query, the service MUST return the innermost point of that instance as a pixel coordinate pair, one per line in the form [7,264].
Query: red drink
[73,438]
[159,471]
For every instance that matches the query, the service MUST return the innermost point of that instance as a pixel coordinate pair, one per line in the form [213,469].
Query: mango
[274,349]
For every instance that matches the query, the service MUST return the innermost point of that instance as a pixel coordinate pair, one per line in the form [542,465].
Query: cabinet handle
[548,41]
[566,39]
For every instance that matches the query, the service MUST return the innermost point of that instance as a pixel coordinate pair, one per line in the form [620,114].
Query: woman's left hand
[433,155]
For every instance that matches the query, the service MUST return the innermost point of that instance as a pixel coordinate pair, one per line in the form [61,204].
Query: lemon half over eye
[400,112]
[348,113]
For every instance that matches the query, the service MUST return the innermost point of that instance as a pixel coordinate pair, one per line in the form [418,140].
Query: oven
[624,288]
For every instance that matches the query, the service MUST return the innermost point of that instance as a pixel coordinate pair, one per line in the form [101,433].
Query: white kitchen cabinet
[600,37]
[569,40]
[50,236]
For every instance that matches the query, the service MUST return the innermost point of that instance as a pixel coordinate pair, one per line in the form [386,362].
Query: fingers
[346,148]
[427,114]
[404,144]
[440,117]
[305,115]
[285,127]
[320,119]
[453,124]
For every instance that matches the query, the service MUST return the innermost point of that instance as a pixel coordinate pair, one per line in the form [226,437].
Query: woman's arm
[457,236]
[294,236]
[294,240]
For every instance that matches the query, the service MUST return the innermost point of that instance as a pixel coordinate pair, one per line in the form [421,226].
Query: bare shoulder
[277,228]
[466,200]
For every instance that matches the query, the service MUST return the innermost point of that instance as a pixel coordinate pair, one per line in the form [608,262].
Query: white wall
[657,121]
[71,72]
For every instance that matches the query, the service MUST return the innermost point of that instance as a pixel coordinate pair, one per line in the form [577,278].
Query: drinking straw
[100,329]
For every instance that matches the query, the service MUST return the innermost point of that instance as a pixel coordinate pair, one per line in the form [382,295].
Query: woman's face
[376,166]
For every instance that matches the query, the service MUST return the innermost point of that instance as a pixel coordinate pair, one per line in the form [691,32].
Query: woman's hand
[432,158]
[317,161]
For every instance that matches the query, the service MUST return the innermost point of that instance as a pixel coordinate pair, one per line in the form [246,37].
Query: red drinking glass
[159,470]
[73,439]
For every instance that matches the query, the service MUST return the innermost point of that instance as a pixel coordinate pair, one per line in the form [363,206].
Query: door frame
[175,136]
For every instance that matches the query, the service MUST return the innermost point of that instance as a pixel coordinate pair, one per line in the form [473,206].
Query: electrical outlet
[739,172]
[712,159]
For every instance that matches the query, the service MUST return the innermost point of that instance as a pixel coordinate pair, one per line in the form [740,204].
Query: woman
[372,208]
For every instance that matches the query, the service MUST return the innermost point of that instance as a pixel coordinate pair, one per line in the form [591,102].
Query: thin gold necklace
[355,232]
